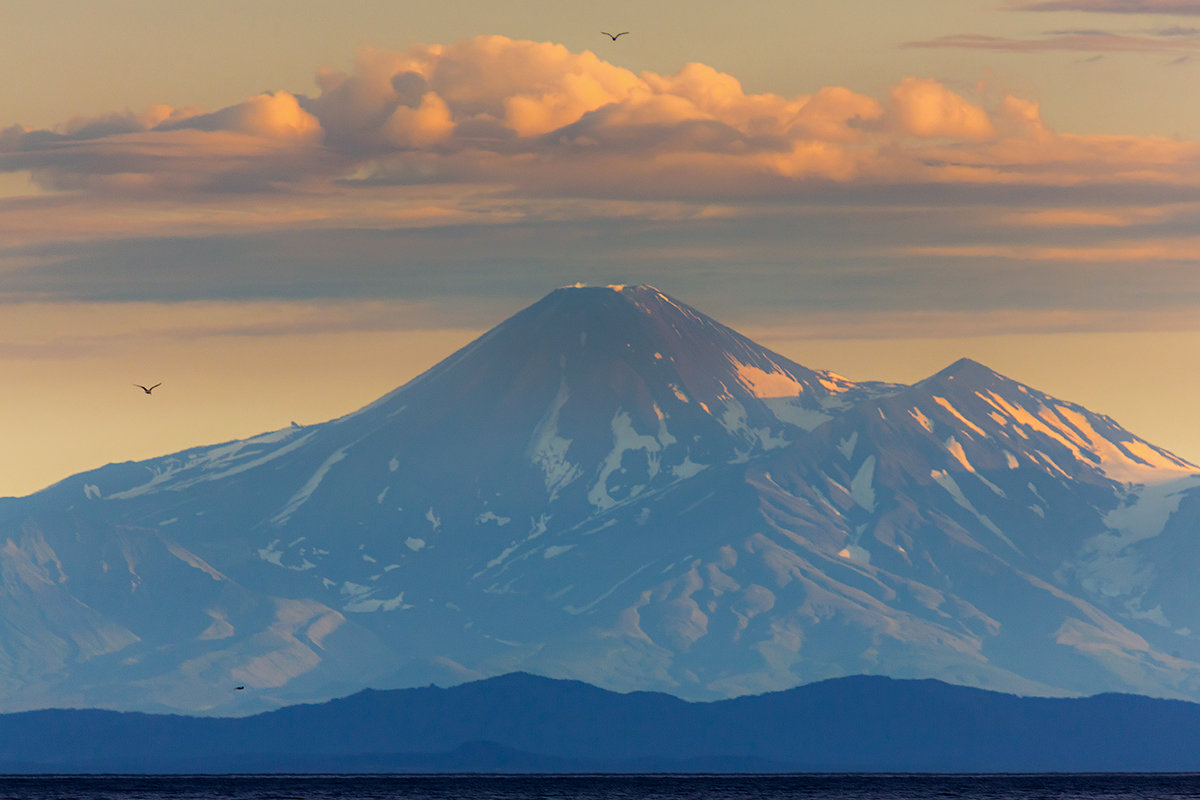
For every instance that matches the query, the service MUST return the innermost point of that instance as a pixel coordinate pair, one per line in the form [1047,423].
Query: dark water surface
[597,787]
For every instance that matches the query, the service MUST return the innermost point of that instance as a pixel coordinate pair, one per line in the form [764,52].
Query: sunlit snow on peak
[762,384]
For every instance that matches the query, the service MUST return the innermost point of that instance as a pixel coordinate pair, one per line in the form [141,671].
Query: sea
[597,787]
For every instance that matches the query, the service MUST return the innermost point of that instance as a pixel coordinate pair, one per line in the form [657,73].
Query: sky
[282,210]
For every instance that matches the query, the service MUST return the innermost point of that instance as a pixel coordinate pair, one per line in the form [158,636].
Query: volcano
[612,487]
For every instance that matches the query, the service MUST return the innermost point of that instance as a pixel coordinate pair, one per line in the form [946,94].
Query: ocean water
[598,787]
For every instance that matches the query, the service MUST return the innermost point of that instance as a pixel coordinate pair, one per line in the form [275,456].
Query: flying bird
[239,688]
[614,36]
[150,389]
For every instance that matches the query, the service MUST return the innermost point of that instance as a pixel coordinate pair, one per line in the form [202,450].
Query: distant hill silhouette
[524,723]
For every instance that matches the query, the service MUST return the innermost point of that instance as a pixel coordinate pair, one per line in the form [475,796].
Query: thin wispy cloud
[1175,7]
[1176,41]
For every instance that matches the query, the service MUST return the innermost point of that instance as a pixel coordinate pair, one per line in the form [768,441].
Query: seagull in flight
[239,688]
[614,36]
[150,389]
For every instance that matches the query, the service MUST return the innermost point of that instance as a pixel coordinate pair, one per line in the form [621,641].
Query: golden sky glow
[307,240]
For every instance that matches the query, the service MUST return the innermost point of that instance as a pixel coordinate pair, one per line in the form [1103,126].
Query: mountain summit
[613,487]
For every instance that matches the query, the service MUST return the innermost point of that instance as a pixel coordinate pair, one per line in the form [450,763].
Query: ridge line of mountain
[524,723]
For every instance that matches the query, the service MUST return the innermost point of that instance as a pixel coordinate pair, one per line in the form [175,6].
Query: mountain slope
[613,487]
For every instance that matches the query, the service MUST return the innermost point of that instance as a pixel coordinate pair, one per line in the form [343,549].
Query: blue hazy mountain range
[523,723]
[614,488]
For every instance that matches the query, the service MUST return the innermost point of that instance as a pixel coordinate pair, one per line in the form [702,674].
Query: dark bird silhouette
[150,389]
[238,688]
[614,36]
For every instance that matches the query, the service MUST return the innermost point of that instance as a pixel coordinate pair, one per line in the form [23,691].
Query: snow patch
[548,450]
[1126,462]
[762,384]
[415,544]
[576,610]
[194,561]
[366,606]
[215,463]
[301,497]
[855,553]
[1050,463]
[734,420]
[626,439]
[846,446]
[944,403]
[1110,566]
[861,491]
[688,468]
[946,482]
[536,529]
[955,449]
[834,383]
[219,629]
[270,553]
[789,411]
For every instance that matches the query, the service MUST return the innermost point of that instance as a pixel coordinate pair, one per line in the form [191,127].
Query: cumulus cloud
[447,165]
[268,116]
[539,119]
[928,109]
[263,142]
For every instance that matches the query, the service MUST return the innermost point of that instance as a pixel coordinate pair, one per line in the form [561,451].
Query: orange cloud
[420,127]
[924,107]
[1185,249]
[540,119]
[1092,218]
[277,116]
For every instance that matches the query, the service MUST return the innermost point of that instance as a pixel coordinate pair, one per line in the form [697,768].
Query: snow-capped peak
[1043,428]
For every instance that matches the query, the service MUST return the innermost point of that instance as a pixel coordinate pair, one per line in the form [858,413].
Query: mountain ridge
[524,723]
[612,486]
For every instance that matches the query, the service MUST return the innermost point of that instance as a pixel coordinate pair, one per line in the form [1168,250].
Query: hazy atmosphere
[281,211]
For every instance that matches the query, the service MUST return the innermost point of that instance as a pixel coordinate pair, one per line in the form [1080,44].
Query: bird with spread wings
[148,389]
[614,36]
